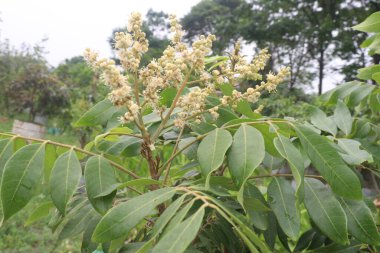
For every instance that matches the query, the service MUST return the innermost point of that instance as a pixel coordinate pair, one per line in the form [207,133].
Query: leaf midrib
[325,161]
[322,207]
[283,202]
[185,228]
[25,171]
[134,211]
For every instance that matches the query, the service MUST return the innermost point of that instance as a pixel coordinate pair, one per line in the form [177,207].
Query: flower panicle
[172,69]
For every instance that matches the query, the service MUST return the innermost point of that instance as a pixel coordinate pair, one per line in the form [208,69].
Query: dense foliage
[188,163]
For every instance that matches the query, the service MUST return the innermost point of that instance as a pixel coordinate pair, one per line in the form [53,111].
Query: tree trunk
[321,68]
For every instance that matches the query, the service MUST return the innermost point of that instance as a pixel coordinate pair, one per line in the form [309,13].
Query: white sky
[73,25]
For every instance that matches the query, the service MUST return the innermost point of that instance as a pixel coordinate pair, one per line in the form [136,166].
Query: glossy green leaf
[64,179]
[77,222]
[255,206]
[367,72]
[212,149]
[50,157]
[319,119]
[89,246]
[326,212]
[352,153]
[340,92]
[132,183]
[126,145]
[357,96]
[282,200]
[329,164]
[354,247]
[179,216]
[191,151]
[22,173]
[97,115]
[342,117]
[166,216]
[376,76]
[6,151]
[370,24]
[245,109]
[40,212]
[122,218]
[295,160]
[246,153]
[99,175]
[374,101]
[167,96]
[360,221]
[180,237]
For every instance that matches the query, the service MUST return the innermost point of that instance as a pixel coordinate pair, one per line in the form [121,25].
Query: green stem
[284,175]
[171,109]
[174,150]
[116,165]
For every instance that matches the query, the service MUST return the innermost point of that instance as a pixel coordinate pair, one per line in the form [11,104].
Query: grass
[36,238]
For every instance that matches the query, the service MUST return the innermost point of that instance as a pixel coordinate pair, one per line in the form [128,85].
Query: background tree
[33,87]
[298,33]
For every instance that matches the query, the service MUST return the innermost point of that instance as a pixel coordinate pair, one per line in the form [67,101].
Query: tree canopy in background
[299,34]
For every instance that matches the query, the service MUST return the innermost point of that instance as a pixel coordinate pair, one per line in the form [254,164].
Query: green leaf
[22,173]
[353,154]
[354,247]
[342,118]
[64,179]
[179,216]
[326,212]
[246,153]
[370,24]
[132,183]
[319,119]
[282,200]
[99,175]
[77,222]
[376,76]
[89,246]
[360,221]
[255,206]
[374,101]
[212,149]
[329,164]
[295,160]
[191,151]
[357,96]
[50,157]
[167,96]
[122,218]
[97,115]
[166,216]
[368,41]
[40,212]
[126,145]
[367,72]
[180,237]
[340,92]
[245,109]
[6,150]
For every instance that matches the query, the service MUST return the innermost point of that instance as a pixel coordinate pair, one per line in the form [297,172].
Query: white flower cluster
[178,67]
[131,46]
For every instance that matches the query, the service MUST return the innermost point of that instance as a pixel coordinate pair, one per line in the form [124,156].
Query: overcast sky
[73,25]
